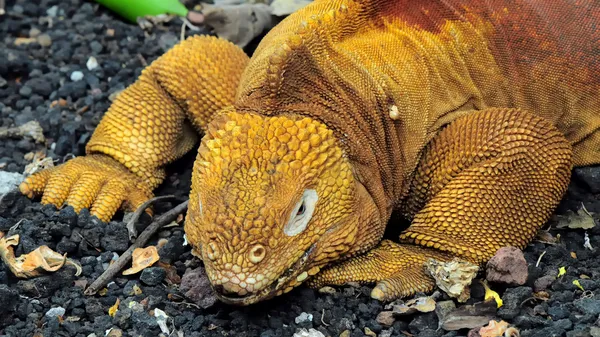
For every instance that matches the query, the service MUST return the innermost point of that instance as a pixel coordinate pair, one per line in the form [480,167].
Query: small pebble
[153,276]
[91,63]
[55,312]
[303,317]
[114,332]
[34,32]
[308,333]
[52,11]
[25,91]
[44,40]
[76,76]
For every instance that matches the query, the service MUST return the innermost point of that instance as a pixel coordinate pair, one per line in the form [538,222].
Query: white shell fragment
[394,113]
[91,63]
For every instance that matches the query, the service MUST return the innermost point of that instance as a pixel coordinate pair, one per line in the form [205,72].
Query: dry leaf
[238,23]
[172,276]
[422,304]
[33,264]
[495,329]
[541,295]
[545,237]
[582,219]
[39,162]
[142,258]
[574,255]
[512,332]
[30,129]
[453,277]
[161,242]
[113,310]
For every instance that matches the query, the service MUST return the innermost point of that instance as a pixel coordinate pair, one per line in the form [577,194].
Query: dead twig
[135,216]
[322,315]
[114,268]
[586,211]
[587,294]
[142,59]
[15,226]
[174,298]
[89,243]
[540,259]
[188,24]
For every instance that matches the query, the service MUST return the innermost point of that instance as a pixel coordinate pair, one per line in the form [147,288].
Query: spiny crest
[317,32]
[280,144]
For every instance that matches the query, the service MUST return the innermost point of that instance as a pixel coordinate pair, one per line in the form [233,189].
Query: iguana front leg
[488,180]
[145,129]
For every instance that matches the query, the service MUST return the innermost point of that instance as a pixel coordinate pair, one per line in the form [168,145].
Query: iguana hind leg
[488,180]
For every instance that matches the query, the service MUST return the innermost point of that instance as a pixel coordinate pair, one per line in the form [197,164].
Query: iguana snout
[270,204]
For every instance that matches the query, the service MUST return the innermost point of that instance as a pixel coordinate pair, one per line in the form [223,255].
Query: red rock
[507,266]
[543,283]
[196,286]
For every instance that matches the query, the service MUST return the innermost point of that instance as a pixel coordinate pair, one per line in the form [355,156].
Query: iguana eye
[301,209]
[301,214]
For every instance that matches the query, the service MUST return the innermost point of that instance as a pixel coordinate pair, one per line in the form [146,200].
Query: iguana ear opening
[302,213]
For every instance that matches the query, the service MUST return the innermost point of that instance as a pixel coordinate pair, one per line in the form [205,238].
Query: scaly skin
[146,128]
[466,115]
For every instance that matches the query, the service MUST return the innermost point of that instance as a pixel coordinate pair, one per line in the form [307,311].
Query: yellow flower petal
[490,294]
[113,310]
[561,271]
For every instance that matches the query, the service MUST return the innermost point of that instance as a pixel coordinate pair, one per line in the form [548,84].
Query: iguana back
[351,63]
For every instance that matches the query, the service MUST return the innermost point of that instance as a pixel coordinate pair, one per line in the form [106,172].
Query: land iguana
[465,116]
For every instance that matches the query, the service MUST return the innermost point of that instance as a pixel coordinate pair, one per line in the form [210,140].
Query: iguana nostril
[211,251]
[257,254]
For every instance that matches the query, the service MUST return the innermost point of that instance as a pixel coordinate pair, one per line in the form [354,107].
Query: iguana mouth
[276,288]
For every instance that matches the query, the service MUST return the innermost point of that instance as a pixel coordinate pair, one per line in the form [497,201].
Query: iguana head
[272,201]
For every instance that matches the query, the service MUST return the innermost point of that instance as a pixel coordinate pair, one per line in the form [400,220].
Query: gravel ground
[44,49]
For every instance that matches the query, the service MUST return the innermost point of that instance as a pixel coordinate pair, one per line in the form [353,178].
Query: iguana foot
[397,269]
[95,181]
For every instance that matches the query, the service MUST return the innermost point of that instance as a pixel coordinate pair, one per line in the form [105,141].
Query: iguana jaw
[285,283]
